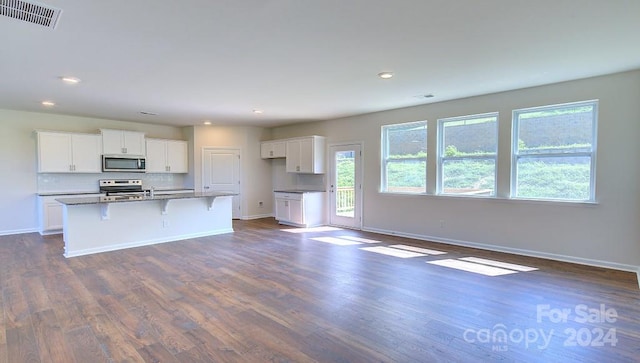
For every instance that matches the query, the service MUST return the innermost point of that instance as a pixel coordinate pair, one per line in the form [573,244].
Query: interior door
[221,173]
[345,189]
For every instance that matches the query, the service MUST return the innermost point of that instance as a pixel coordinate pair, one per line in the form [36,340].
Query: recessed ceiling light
[70,80]
[385,75]
[207,123]
[258,111]
[48,103]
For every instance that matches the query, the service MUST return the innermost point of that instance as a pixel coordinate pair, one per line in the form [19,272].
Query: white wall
[254,172]
[19,181]
[606,233]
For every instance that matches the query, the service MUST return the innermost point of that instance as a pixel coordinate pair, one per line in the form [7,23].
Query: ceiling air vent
[30,12]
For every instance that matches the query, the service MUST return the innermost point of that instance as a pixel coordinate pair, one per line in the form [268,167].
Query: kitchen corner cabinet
[300,209]
[273,149]
[118,142]
[166,156]
[60,152]
[50,211]
[306,155]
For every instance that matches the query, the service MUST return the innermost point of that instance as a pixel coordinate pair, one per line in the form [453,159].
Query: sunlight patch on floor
[473,267]
[360,239]
[393,252]
[506,265]
[336,241]
[311,229]
[419,249]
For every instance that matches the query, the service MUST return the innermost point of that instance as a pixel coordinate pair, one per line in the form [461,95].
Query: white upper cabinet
[167,156]
[60,152]
[116,142]
[306,155]
[273,149]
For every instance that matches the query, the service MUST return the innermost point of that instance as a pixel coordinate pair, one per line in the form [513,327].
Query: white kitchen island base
[99,227]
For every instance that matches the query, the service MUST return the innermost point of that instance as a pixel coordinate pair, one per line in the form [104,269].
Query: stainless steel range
[121,189]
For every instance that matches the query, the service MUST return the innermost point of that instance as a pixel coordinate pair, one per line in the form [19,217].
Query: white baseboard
[256,216]
[515,251]
[18,231]
[122,246]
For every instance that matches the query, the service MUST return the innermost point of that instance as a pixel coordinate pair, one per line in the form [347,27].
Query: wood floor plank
[50,338]
[263,293]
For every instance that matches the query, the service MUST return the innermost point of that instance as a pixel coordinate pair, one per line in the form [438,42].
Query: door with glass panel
[345,189]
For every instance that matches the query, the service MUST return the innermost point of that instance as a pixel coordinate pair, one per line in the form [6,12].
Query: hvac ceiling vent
[30,12]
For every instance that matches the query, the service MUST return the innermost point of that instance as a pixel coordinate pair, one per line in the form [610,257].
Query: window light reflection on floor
[472,267]
[506,265]
[393,252]
[419,249]
[336,241]
[360,239]
[311,229]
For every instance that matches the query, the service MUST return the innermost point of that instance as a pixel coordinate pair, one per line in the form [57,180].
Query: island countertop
[139,198]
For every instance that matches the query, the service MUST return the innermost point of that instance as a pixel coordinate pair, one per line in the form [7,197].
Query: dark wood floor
[262,294]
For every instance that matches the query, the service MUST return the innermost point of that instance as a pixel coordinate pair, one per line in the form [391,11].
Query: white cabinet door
[68,153]
[293,156]
[117,142]
[296,211]
[52,216]
[54,153]
[177,156]
[273,149]
[86,153]
[133,142]
[167,156]
[282,210]
[156,159]
[305,155]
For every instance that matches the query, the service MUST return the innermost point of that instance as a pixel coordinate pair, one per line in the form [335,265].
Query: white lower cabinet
[50,212]
[301,209]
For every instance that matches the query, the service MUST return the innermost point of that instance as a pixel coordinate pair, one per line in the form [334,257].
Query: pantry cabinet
[273,149]
[118,142]
[166,156]
[301,209]
[306,155]
[60,152]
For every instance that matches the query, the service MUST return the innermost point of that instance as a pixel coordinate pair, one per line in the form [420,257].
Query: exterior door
[221,173]
[345,189]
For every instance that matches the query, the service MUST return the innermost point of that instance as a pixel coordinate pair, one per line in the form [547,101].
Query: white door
[345,189]
[221,173]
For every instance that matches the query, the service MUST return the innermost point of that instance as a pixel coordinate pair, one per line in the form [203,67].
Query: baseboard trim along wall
[18,231]
[256,216]
[515,251]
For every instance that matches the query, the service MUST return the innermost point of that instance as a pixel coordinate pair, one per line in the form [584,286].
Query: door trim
[331,168]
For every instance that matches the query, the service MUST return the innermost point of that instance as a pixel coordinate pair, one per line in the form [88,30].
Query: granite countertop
[139,198]
[300,191]
[49,194]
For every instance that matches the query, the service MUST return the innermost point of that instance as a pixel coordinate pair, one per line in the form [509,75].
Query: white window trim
[441,150]
[385,157]
[592,154]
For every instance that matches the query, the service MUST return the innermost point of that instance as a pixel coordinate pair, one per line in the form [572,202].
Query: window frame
[441,158]
[515,156]
[384,156]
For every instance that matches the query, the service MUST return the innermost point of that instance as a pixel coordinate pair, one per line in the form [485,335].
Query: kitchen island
[100,224]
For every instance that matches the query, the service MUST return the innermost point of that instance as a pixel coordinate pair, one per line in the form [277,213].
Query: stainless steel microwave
[124,163]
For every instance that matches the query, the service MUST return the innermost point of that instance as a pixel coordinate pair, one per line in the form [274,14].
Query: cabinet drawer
[291,196]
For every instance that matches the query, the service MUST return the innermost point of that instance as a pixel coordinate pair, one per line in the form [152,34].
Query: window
[554,152]
[404,158]
[467,155]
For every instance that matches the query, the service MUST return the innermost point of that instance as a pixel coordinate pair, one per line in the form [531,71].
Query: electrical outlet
[442,223]
[260,204]
[165,223]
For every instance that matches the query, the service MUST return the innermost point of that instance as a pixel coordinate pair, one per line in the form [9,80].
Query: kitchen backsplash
[53,183]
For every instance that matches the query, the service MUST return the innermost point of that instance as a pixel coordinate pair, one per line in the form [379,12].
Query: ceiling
[297,61]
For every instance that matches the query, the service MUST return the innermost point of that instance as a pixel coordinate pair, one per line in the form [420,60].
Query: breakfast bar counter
[106,223]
